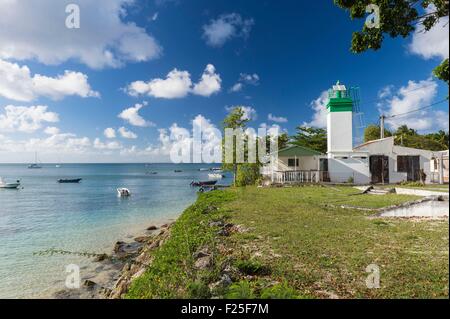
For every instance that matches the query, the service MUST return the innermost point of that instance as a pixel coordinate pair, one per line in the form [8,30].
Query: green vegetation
[298,243]
[405,136]
[312,138]
[397,18]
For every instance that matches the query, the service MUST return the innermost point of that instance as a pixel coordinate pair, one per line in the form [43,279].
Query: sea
[44,215]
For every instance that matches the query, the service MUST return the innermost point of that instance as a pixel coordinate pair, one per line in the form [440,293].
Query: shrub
[279,291]
[247,174]
[252,267]
[240,290]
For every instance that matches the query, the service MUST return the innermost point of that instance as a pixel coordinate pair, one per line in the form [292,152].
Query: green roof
[297,151]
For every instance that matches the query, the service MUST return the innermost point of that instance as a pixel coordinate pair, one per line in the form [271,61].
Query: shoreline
[106,271]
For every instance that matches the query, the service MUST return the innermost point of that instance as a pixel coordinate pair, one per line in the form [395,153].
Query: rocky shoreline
[116,271]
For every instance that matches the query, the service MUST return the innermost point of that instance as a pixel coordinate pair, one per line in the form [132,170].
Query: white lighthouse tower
[345,165]
[339,121]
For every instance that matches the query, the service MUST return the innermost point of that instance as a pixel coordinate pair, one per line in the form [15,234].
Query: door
[379,169]
[409,164]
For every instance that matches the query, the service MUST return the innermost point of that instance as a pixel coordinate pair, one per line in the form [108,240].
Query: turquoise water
[85,217]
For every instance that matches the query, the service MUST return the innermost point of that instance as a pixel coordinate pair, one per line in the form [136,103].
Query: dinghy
[5,185]
[123,192]
[204,183]
[216,176]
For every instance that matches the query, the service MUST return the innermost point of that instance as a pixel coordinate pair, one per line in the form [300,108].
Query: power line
[419,109]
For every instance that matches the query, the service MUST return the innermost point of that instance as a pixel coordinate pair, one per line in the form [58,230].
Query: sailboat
[35,165]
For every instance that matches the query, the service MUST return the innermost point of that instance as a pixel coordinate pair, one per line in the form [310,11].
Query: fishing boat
[4,185]
[178,171]
[216,176]
[35,165]
[69,181]
[203,183]
[123,192]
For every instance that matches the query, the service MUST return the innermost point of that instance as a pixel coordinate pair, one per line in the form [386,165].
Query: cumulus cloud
[245,79]
[319,107]
[277,119]
[126,133]
[17,83]
[433,43]
[209,83]
[51,130]
[26,119]
[104,38]
[410,98]
[109,132]
[178,84]
[226,27]
[112,145]
[132,116]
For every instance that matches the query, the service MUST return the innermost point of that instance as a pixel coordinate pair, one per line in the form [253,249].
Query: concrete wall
[342,169]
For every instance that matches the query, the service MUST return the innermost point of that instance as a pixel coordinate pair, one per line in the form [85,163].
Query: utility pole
[382,117]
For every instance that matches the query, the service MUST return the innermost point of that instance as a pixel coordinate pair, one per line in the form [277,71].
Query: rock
[138,274]
[142,239]
[216,224]
[165,226]
[89,284]
[101,257]
[153,227]
[119,247]
[223,232]
[203,262]
[154,244]
[201,253]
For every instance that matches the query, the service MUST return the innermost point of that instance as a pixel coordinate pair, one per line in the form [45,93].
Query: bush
[240,290]
[247,174]
[279,291]
[199,290]
[252,267]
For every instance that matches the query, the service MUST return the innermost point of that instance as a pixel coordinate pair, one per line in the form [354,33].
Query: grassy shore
[297,243]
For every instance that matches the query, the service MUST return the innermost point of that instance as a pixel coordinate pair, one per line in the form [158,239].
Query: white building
[375,162]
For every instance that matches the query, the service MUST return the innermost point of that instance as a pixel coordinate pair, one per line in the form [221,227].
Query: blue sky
[279,56]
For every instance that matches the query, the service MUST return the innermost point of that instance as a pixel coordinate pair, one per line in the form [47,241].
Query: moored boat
[216,176]
[203,183]
[5,185]
[123,192]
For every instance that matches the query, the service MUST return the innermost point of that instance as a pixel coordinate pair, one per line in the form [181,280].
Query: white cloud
[245,79]
[26,119]
[127,134]
[433,43]
[249,112]
[178,84]
[113,145]
[132,116]
[278,119]
[319,118]
[51,130]
[36,30]
[226,27]
[109,132]
[410,98]
[16,83]
[210,82]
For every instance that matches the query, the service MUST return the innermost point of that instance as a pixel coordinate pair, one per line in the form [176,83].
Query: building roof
[296,150]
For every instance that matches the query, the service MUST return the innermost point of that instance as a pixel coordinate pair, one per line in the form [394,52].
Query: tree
[397,18]
[372,132]
[311,137]
[408,137]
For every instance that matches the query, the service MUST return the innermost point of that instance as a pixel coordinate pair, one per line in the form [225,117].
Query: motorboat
[204,169]
[216,176]
[5,185]
[123,192]
[178,171]
[203,183]
[69,181]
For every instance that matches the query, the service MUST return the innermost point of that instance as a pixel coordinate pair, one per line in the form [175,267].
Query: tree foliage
[311,137]
[372,132]
[408,137]
[398,18]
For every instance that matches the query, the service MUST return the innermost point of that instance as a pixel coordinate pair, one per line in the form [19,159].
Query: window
[293,162]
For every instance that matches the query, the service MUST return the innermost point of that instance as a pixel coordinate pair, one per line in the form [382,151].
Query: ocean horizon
[86,217]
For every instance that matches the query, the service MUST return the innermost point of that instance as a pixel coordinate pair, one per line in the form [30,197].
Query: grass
[429,187]
[299,243]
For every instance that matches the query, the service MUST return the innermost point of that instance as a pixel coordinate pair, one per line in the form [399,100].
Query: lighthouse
[339,121]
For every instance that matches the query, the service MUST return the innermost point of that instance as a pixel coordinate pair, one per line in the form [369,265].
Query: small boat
[204,169]
[69,181]
[178,171]
[4,185]
[35,165]
[151,173]
[123,192]
[216,176]
[203,183]
[216,169]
